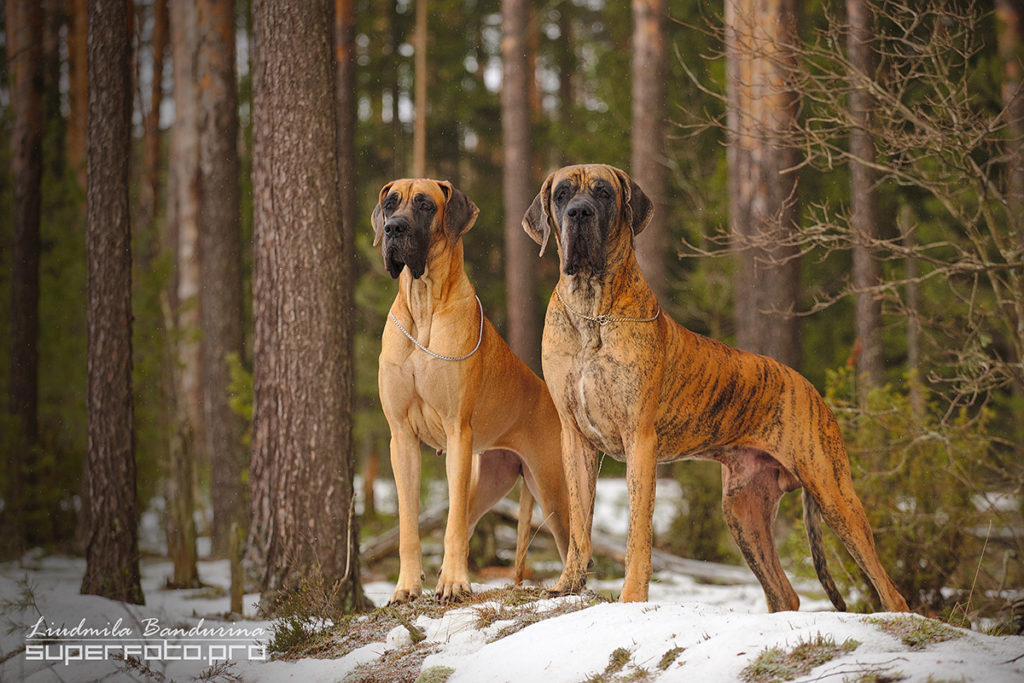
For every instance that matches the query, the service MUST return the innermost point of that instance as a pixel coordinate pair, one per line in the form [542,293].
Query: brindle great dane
[629,381]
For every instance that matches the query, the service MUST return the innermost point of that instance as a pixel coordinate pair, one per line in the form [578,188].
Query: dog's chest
[592,394]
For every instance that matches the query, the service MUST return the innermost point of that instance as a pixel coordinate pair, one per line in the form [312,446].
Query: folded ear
[537,220]
[377,217]
[636,205]
[459,211]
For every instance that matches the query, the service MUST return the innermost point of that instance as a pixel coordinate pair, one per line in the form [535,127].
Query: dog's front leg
[453,583]
[641,462]
[580,461]
[405,463]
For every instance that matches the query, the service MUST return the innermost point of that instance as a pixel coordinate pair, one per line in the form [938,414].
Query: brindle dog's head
[590,208]
[412,214]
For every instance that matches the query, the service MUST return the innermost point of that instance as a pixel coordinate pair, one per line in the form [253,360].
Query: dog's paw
[403,595]
[452,591]
[566,586]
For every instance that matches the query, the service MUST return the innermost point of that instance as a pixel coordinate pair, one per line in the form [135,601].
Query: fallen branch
[387,543]
[603,544]
[611,547]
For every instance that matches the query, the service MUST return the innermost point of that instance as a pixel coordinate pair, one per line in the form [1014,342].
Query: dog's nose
[580,210]
[395,227]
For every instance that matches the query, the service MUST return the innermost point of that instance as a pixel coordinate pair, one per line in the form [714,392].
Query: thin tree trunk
[25,58]
[184,207]
[152,138]
[864,223]
[78,98]
[647,166]
[397,135]
[1010,15]
[301,497]
[182,238]
[347,102]
[112,555]
[913,309]
[419,137]
[220,264]
[566,60]
[762,201]
[520,255]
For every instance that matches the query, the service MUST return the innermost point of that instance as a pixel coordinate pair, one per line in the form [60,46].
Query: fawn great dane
[447,379]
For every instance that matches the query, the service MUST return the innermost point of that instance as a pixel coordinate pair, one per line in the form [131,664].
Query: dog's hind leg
[494,474]
[523,528]
[843,512]
[750,500]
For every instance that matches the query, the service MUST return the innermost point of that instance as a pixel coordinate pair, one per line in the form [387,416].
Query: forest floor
[687,631]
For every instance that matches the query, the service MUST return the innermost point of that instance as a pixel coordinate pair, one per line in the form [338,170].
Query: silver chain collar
[604,318]
[423,348]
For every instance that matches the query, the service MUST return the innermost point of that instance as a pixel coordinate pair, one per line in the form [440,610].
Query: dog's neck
[621,291]
[444,280]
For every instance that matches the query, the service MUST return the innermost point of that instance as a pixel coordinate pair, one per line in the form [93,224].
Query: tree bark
[25,59]
[1010,16]
[183,208]
[220,264]
[647,165]
[518,187]
[762,199]
[347,102]
[182,239]
[419,135]
[112,555]
[912,306]
[78,98]
[301,498]
[864,222]
[152,138]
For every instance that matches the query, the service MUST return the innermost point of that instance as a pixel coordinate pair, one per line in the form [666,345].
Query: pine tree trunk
[647,166]
[152,138]
[182,237]
[520,256]
[78,97]
[912,305]
[301,499]
[347,101]
[25,59]
[183,208]
[112,555]
[419,135]
[1010,16]
[762,200]
[864,223]
[220,263]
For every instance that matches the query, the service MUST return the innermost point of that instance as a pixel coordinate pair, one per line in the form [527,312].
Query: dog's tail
[812,523]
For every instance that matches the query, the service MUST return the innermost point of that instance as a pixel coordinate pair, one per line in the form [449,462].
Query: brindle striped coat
[629,381]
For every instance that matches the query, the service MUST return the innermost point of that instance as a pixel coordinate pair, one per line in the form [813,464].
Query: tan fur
[490,404]
[650,392]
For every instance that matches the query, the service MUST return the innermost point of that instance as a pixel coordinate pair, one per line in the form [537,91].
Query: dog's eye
[390,202]
[424,204]
[603,193]
[561,194]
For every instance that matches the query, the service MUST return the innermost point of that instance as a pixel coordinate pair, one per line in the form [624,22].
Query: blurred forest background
[838,184]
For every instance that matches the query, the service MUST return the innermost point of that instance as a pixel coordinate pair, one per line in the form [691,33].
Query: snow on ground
[697,632]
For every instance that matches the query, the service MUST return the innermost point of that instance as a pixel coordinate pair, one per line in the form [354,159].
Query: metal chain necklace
[423,348]
[605,318]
